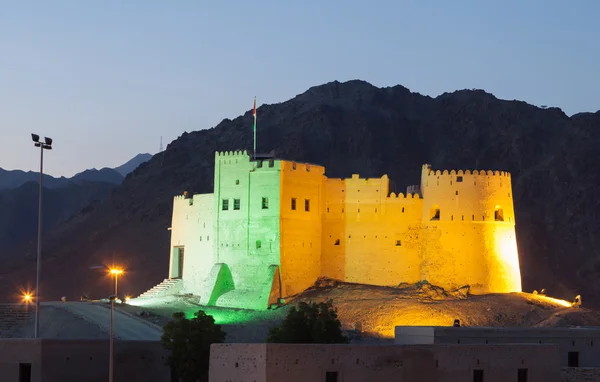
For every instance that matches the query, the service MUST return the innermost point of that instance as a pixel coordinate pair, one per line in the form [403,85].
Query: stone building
[398,363]
[272,227]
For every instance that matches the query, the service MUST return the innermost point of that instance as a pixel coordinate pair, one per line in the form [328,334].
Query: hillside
[132,164]
[372,312]
[63,198]
[19,211]
[354,127]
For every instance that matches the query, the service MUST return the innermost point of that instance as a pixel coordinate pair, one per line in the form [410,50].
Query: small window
[327,209]
[200,238]
[459,178]
[402,209]
[207,238]
[498,214]
[293,204]
[237,181]
[331,376]
[25,372]
[258,244]
[271,163]
[265,203]
[307,168]
[236,204]
[478,375]
[398,243]
[337,242]
[306,205]
[434,213]
[522,375]
[225,204]
[456,193]
[573,359]
[293,166]
[259,164]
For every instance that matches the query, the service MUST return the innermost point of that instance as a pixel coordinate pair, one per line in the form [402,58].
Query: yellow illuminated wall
[371,236]
[300,226]
[469,230]
[272,227]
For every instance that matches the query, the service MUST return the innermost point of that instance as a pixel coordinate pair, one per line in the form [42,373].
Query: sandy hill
[370,313]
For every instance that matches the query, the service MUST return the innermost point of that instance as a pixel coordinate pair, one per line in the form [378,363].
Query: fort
[273,227]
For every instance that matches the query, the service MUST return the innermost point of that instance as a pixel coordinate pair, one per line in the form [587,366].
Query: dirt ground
[370,313]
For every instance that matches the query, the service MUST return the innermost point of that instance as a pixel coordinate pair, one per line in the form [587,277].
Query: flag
[254,115]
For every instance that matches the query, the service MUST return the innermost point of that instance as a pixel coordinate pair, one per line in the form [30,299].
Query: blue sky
[106,79]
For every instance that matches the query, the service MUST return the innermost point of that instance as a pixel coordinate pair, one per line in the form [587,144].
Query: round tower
[468,233]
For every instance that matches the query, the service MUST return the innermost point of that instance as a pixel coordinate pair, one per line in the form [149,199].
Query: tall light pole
[116,272]
[111,351]
[45,145]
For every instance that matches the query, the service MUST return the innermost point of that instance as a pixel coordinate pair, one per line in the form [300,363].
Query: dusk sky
[106,79]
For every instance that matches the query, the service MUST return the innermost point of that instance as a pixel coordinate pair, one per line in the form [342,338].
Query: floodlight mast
[46,145]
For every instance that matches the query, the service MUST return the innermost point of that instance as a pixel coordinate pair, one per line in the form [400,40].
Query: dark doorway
[177,264]
[522,375]
[331,376]
[24,372]
[478,375]
[181,254]
[573,360]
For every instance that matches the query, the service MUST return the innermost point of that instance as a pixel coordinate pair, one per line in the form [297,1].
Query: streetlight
[116,272]
[111,352]
[27,298]
[45,145]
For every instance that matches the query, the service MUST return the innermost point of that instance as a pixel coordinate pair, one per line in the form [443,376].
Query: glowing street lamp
[116,272]
[27,297]
[45,145]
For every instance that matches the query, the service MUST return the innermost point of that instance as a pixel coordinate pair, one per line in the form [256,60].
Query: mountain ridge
[63,197]
[356,128]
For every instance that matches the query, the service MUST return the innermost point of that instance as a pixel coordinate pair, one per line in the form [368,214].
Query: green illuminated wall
[247,211]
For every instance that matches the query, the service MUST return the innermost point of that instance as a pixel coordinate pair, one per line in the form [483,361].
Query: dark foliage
[309,324]
[189,342]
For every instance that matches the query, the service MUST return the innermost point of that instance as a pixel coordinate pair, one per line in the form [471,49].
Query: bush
[309,324]
[189,342]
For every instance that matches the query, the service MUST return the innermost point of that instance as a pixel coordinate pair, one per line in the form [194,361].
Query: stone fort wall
[459,230]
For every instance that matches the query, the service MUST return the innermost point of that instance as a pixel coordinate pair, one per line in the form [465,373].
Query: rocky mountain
[10,179]
[63,197]
[354,127]
[19,210]
[132,164]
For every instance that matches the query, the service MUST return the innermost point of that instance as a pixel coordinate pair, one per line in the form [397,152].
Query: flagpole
[254,128]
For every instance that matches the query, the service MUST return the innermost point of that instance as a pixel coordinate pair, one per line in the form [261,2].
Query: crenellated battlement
[428,171]
[400,195]
[230,154]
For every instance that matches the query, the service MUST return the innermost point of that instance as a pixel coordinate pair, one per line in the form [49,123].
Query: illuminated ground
[375,311]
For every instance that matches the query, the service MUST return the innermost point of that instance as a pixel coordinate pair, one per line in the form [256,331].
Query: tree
[189,342]
[309,324]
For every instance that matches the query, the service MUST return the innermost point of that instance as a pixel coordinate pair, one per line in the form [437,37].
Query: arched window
[258,244]
[498,214]
[434,213]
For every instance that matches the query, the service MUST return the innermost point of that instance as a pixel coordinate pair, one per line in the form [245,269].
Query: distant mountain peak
[128,167]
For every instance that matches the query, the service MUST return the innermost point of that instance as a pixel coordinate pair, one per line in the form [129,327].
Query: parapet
[231,154]
[400,195]
[430,172]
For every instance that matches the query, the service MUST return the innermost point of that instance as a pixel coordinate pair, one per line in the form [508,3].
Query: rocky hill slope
[63,198]
[19,211]
[370,313]
[354,127]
